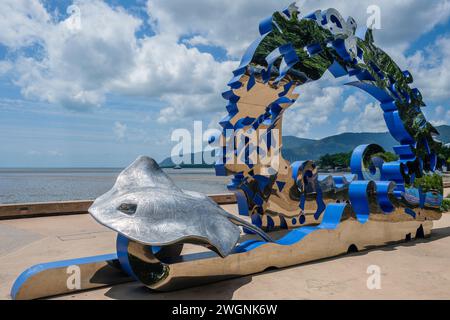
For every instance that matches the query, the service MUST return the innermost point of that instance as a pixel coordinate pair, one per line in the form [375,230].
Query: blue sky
[117,85]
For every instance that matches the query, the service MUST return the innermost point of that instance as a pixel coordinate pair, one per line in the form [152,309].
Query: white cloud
[198,40]
[22,22]
[80,68]
[77,67]
[440,111]
[5,67]
[120,130]
[163,66]
[343,125]
[181,106]
[437,123]
[188,81]
[234,26]
[352,103]
[370,120]
[314,107]
[431,71]
[438,116]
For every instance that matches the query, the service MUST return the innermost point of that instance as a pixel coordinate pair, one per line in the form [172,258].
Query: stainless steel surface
[202,268]
[291,50]
[146,206]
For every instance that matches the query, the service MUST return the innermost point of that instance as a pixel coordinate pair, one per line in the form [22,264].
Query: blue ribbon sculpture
[322,215]
[290,52]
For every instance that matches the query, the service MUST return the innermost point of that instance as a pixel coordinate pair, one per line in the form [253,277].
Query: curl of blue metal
[298,167]
[358,192]
[356,161]
[394,171]
[122,254]
[123,257]
[397,128]
[383,189]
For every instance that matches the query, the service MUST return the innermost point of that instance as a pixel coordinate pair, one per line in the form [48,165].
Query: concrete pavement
[415,270]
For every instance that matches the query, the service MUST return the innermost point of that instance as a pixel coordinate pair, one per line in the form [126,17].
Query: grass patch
[446,205]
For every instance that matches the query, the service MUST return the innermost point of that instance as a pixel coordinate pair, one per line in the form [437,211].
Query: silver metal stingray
[146,206]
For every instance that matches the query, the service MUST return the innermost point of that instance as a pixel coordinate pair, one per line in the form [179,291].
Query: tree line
[342,160]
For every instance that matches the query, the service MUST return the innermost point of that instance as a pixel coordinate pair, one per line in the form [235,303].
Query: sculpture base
[58,278]
[68,276]
[198,269]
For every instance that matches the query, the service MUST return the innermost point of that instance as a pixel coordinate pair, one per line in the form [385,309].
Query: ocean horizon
[30,185]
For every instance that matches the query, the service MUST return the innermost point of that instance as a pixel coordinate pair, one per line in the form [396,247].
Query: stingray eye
[127,208]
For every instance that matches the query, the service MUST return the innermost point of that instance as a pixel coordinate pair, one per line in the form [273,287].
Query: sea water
[48,185]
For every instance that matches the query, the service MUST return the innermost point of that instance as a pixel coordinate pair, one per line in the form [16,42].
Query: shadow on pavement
[223,290]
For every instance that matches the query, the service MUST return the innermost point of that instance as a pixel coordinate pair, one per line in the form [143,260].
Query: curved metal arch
[290,51]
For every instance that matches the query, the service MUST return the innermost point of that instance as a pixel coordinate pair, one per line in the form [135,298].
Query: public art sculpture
[290,52]
[321,215]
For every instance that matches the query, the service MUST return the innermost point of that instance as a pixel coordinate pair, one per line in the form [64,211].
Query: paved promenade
[415,270]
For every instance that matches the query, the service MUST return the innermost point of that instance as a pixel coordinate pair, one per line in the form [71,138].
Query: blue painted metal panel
[331,219]
[40,268]
[358,194]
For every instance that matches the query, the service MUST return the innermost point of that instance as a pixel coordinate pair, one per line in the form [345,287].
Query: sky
[92,83]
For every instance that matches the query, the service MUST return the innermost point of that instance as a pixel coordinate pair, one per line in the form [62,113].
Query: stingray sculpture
[317,216]
[147,207]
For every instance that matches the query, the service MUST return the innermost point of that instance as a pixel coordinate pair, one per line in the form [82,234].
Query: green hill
[295,148]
